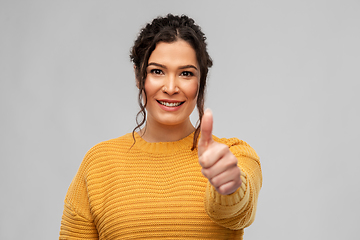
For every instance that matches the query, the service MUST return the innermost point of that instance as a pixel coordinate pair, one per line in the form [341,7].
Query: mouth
[170,104]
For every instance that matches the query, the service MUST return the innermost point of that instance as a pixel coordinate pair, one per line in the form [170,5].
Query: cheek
[193,90]
[151,86]
[148,88]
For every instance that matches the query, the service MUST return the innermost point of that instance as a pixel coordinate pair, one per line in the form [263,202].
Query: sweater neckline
[164,147]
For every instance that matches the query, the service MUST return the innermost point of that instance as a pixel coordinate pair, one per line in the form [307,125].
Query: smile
[168,104]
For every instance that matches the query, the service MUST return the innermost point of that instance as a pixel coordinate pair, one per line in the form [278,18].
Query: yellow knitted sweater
[157,191]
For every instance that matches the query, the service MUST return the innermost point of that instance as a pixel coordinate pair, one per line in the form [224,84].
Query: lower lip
[169,109]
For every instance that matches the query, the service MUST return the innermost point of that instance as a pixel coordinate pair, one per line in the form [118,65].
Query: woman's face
[172,83]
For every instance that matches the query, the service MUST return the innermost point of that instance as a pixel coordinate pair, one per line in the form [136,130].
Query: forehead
[175,53]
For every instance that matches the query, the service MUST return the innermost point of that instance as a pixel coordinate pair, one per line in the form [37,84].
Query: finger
[206,131]
[227,188]
[213,154]
[225,163]
[231,175]
[207,126]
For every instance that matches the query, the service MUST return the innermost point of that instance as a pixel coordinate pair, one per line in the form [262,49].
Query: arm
[237,210]
[77,221]
[74,226]
[233,170]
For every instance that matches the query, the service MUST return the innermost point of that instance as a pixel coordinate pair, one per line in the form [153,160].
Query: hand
[218,163]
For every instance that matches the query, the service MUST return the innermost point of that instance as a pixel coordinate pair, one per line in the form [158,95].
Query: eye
[156,71]
[187,74]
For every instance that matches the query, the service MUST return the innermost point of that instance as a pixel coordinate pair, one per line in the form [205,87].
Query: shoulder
[120,142]
[109,147]
[231,142]
[238,147]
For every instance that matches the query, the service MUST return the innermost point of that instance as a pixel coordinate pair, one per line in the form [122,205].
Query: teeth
[170,104]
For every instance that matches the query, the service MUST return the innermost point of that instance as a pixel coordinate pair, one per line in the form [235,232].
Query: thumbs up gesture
[218,163]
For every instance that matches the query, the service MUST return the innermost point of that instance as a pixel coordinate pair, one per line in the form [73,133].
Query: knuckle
[202,161]
[232,159]
[236,173]
[223,148]
[239,182]
[237,178]
[235,160]
[228,164]
[216,182]
[222,190]
[205,172]
[231,163]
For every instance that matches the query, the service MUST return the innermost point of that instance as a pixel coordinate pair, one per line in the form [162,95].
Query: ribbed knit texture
[157,191]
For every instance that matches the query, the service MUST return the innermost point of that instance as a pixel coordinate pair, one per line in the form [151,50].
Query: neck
[166,133]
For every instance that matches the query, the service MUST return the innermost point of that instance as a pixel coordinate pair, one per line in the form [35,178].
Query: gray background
[285,79]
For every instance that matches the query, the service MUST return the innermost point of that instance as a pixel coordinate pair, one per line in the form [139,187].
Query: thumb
[206,131]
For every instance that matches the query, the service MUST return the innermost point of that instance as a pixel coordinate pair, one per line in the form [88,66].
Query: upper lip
[169,100]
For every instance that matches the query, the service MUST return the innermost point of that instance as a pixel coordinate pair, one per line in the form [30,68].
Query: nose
[170,86]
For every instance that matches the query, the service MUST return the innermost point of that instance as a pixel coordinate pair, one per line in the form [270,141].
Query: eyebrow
[163,66]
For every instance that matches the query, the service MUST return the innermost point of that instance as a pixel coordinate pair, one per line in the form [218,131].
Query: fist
[218,163]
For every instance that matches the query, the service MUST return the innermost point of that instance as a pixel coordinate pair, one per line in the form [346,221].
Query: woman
[165,179]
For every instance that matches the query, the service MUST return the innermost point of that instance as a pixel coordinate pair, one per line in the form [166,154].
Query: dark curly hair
[169,29]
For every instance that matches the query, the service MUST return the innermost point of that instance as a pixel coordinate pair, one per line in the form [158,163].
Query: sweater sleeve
[77,221]
[237,210]
[75,226]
